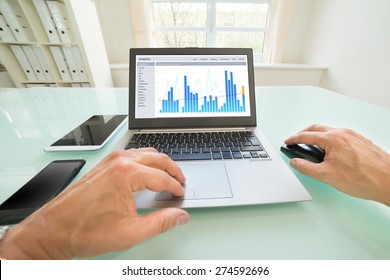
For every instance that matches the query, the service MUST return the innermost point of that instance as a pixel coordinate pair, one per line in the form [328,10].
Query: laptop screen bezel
[188,122]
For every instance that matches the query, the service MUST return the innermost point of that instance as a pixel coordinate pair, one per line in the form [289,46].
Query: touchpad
[204,181]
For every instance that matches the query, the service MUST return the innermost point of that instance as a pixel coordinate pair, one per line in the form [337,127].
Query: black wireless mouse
[312,153]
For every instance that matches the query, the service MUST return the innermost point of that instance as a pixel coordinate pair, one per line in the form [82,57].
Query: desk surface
[331,226]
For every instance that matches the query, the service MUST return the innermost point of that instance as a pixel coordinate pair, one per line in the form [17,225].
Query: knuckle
[147,149]
[315,126]
[165,224]
[116,154]
[337,135]
[123,165]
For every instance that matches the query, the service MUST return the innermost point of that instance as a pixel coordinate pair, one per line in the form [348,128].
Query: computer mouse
[312,153]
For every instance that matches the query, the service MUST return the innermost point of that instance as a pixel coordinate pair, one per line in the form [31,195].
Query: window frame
[211,29]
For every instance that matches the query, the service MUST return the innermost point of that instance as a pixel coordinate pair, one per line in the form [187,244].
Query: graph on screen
[202,91]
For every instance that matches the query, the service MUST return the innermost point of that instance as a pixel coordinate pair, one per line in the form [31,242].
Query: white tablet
[91,135]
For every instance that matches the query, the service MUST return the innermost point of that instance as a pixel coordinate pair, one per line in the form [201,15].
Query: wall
[5,80]
[115,21]
[351,38]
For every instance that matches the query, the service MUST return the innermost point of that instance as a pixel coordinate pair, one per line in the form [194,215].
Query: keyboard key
[235,149]
[227,155]
[132,146]
[217,156]
[254,141]
[254,155]
[251,148]
[237,155]
[179,157]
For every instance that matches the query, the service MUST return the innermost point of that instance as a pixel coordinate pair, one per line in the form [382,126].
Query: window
[211,23]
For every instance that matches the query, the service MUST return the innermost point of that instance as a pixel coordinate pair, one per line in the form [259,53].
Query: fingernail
[293,163]
[182,220]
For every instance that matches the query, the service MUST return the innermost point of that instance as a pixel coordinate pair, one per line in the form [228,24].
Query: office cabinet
[53,43]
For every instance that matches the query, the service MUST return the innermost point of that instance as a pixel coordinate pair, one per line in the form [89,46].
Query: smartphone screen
[43,187]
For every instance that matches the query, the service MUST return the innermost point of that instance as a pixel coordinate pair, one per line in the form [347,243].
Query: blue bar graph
[192,103]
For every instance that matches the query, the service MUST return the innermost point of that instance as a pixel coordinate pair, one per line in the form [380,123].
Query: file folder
[74,73]
[28,51]
[61,63]
[79,63]
[16,20]
[5,31]
[60,18]
[23,61]
[47,21]
[42,61]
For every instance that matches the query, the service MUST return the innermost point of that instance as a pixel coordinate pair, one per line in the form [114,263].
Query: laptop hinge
[194,129]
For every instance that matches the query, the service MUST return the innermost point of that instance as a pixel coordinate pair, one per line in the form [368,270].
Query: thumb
[162,220]
[305,167]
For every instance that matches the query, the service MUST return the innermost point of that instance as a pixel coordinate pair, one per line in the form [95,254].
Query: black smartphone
[43,187]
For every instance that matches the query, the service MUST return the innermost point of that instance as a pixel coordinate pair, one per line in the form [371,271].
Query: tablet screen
[93,132]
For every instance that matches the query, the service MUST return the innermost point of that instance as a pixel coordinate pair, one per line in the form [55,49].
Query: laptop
[198,106]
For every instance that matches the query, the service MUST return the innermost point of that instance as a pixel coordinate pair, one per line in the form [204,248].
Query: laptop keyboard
[202,145]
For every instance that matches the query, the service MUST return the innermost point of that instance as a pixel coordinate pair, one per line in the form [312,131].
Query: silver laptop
[198,106]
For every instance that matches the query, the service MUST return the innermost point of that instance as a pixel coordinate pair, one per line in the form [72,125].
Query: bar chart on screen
[208,91]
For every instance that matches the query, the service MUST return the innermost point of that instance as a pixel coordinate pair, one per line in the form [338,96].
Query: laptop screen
[191,87]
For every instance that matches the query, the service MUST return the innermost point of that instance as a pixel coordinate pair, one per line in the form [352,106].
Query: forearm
[31,239]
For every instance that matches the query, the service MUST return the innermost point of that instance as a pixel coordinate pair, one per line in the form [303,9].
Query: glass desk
[331,226]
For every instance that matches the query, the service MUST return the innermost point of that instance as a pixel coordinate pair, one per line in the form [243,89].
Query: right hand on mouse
[352,163]
[97,214]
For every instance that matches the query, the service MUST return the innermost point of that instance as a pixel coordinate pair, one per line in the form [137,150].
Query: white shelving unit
[74,57]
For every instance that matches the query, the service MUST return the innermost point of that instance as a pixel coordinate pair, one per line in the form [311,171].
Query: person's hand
[352,164]
[98,214]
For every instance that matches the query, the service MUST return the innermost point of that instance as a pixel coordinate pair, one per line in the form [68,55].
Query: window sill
[288,66]
[266,74]
[291,66]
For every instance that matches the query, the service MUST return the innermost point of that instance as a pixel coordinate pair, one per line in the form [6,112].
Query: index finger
[150,158]
[308,138]
[163,162]
[316,128]
[155,180]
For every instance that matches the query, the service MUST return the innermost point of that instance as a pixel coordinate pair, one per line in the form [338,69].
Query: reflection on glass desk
[331,226]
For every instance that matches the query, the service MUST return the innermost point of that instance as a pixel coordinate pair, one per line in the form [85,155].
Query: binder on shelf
[42,61]
[16,20]
[61,63]
[24,63]
[37,85]
[29,52]
[70,61]
[60,18]
[5,31]
[79,63]
[47,21]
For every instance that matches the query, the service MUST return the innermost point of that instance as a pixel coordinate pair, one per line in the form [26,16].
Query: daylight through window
[211,23]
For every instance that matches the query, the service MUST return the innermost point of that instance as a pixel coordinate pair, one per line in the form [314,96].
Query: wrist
[31,239]
[381,178]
